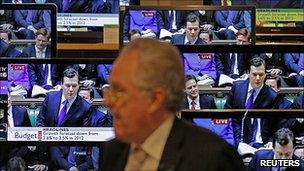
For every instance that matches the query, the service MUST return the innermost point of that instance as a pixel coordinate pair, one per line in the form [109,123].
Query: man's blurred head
[86,93]
[257,73]
[6,36]
[192,27]
[42,38]
[146,87]
[206,35]
[242,36]
[274,83]
[283,146]
[70,83]
[191,87]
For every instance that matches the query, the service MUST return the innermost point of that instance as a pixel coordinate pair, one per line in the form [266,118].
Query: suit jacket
[30,51]
[75,6]
[103,72]
[20,117]
[100,119]
[291,61]
[163,19]
[298,102]
[78,115]
[37,21]
[266,99]
[223,130]
[224,63]
[3,49]
[36,75]
[179,39]
[268,154]
[188,147]
[221,19]
[60,157]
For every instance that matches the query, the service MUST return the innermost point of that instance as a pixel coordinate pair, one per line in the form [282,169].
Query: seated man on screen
[195,101]
[236,65]
[228,23]
[41,49]
[148,134]
[252,94]
[294,63]
[28,22]
[283,149]
[192,31]
[6,36]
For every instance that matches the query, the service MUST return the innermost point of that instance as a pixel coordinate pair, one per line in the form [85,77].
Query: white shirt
[196,100]
[174,19]
[235,67]
[10,119]
[186,41]
[154,145]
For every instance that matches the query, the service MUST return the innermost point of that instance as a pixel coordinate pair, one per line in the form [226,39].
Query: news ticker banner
[72,134]
[86,20]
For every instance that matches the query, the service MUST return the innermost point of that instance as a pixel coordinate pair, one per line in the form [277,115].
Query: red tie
[192,105]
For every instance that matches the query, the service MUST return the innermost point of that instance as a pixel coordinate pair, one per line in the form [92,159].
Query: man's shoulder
[264,153]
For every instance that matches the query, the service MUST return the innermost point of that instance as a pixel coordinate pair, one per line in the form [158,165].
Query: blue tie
[249,103]
[62,113]
[171,17]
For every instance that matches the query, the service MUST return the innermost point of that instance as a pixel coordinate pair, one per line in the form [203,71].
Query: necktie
[65,5]
[232,63]
[249,103]
[29,17]
[46,73]
[136,159]
[192,105]
[301,61]
[62,113]
[72,156]
[188,43]
[230,17]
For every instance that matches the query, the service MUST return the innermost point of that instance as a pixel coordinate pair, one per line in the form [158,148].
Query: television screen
[84,21]
[28,30]
[189,25]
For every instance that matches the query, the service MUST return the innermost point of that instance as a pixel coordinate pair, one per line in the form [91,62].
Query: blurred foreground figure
[146,91]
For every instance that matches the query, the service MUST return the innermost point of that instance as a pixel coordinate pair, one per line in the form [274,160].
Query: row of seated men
[72,110]
[224,24]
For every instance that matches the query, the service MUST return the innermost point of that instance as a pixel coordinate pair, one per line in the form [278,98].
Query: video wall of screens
[190,25]
[28,30]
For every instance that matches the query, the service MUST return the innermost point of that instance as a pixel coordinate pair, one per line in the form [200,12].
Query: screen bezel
[123,9]
[48,6]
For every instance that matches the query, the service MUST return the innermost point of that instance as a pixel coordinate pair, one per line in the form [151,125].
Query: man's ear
[158,96]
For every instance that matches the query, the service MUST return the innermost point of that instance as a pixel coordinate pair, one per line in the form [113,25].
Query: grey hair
[160,65]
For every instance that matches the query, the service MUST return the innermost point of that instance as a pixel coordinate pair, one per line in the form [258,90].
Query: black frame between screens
[32,6]
[123,9]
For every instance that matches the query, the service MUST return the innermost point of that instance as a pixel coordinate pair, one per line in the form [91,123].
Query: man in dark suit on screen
[252,94]
[196,101]
[192,31]
[283,149]
[146,91]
